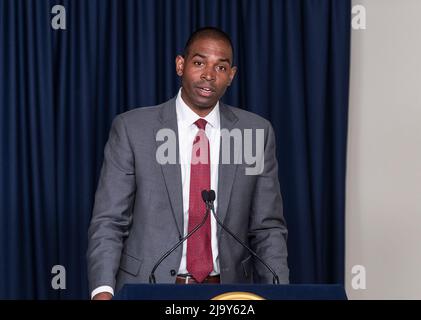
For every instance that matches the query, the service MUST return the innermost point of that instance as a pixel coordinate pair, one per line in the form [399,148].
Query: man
[143,207]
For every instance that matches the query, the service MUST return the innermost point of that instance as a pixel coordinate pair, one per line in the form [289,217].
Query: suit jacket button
[172,272]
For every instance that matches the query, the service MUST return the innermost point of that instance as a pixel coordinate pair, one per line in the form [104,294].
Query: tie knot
[201,123]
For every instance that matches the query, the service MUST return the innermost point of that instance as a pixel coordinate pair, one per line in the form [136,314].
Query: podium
[210,291]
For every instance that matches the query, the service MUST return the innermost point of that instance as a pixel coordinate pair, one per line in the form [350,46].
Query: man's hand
[103,296]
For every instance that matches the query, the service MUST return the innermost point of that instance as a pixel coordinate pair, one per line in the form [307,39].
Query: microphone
[209,198]
[152,279]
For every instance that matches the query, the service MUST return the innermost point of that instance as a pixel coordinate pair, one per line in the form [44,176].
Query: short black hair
[208,32]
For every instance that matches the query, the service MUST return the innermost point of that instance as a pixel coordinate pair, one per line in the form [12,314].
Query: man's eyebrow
[225,60]
[199,55]
[204,57]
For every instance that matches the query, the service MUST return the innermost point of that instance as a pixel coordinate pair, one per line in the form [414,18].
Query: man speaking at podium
[143,207]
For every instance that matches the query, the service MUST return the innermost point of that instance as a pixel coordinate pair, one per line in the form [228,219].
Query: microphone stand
[209,204]
[152,279]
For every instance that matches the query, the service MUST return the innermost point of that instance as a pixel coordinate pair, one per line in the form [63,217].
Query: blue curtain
[60,89]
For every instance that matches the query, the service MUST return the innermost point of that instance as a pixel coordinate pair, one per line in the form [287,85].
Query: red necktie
[199,250]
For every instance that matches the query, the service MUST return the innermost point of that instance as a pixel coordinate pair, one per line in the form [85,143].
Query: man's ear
[232,74]
[179,65]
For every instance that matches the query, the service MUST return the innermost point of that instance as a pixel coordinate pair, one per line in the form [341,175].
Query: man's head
[205,68]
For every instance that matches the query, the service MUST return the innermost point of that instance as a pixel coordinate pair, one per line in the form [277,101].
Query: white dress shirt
[187,131]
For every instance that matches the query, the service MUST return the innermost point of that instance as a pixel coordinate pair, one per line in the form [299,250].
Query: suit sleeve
[268,230]
[112,213]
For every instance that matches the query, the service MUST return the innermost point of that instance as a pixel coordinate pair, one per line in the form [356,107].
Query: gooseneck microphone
[152,280]
[209,197]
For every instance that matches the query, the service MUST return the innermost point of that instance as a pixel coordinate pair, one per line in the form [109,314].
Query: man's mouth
[206,91]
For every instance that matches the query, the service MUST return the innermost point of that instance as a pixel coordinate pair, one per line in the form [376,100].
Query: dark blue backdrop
[60,89]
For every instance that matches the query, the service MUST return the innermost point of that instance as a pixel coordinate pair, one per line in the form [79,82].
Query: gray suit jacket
[138,211]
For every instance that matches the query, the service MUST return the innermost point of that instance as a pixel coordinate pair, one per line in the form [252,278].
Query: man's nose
[208,74]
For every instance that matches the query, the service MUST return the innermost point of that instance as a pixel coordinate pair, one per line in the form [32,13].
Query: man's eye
[198,63]
[222,68]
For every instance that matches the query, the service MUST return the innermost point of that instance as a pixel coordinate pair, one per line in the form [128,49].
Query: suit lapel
[226,172]
[172,172]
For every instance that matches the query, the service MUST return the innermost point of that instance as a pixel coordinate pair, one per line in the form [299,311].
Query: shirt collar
[187,117]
